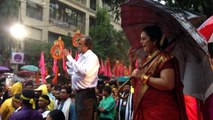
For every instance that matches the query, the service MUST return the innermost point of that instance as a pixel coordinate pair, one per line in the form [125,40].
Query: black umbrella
[184,41]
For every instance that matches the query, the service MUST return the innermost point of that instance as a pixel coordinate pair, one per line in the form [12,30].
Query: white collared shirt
[84,71]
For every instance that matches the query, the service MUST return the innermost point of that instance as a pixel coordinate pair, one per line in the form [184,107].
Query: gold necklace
[150,56]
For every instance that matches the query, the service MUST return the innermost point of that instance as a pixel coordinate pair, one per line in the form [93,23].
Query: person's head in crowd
[97,91]
[49,87]
[9,93]
[99,97]
[16,102]
[43,101]
[41,90]
[84,44]
[65,93]
[16,88]
[27,98]
[114,93]
[53,89]
[107,90]
[126,88]
[38,93]
[29,85]
[35,86]
[152,38]
[55,115]
[56,92]
[3,82]
[114,90]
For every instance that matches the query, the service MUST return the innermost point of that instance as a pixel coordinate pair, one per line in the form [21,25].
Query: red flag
[55,79]
[108,68]
[115,69]
[54,66]
[105,69]
[55,71]
[37,78]
[101,68]
[42,67]
[46,72]
[126,71]
[109,72]
[120,70]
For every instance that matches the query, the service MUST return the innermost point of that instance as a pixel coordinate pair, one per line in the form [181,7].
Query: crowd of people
[81,98]
[157,92]
[27,101]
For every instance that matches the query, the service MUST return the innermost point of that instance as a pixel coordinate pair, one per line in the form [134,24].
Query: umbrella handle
[121,87]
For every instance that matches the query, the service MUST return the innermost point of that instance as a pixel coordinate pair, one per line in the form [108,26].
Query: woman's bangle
[145,79]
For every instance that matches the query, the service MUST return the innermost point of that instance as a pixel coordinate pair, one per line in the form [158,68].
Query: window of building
[64,15]
[70,16]
[92,22]
[80,1]
[34,10]
[93,4]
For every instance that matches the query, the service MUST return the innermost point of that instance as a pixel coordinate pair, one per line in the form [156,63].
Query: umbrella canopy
[206,29]
[30,68]
[184,41]
[3,68]
[122,78]
[193,17]
[25,73]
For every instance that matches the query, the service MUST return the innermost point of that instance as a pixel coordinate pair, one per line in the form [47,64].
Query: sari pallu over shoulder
[153,68]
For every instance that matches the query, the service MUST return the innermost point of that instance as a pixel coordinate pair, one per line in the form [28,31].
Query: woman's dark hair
[56,115]
[155,33]
[88,42]
[46,98]
[108,89]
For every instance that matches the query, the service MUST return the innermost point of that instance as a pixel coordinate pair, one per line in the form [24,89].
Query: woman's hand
[136,74]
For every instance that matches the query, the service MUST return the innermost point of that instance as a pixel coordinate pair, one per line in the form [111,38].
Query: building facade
[45,20]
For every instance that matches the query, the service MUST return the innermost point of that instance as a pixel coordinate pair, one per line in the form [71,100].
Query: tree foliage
[200,6]
[9,14]
[107,41]
[33,49]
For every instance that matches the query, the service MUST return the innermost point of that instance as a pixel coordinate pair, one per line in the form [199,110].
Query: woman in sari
[158,89]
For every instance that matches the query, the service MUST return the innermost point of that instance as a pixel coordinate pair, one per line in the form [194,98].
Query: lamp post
[18,32]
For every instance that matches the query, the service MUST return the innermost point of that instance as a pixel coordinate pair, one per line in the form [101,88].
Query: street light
[18,31]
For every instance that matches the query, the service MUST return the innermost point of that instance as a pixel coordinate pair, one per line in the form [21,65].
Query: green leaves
[200,6]
[107,41]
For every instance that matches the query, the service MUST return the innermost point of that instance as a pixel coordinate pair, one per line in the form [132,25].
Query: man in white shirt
[84,74]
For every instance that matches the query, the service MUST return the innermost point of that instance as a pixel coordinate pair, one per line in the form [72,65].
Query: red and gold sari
[154,104]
